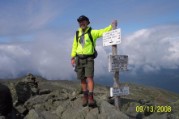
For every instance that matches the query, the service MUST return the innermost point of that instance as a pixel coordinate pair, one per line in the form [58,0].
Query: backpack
[91,38]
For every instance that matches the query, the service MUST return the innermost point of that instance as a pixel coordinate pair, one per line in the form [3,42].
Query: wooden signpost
[116,63]
[117,100]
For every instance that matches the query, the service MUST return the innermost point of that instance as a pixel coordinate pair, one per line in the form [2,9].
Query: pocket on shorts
[90,59]
[90,62]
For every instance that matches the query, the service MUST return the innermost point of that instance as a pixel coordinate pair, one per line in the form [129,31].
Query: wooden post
[116,78]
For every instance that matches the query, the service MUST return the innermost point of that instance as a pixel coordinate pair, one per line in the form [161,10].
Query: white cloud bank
[149,49]
[154,48]
[47,56]
[49,53]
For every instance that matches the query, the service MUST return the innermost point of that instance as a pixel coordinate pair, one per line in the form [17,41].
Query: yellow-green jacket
[87,49]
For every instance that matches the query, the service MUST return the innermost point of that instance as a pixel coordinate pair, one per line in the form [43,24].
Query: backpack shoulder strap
[77,33]
[90,36]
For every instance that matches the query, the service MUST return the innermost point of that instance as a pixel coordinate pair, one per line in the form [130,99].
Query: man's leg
[90,84]
[85,92]
[81,76]
[91,101]
[84,84]
[84,88]
[89,73]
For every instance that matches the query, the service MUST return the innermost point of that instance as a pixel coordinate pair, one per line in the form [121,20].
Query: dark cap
[82,18]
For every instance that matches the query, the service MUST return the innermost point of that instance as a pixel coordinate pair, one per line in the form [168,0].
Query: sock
[85,93]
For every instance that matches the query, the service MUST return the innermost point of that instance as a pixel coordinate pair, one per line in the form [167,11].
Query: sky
[36,35]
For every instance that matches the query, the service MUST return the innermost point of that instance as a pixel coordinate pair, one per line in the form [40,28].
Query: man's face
[83,24]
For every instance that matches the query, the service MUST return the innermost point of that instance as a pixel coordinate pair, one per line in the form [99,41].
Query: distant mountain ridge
[167,79]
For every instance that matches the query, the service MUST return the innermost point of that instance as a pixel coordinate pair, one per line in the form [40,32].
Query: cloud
[12,58]
[149,50]
[34,38]
[48,54]
[154,48]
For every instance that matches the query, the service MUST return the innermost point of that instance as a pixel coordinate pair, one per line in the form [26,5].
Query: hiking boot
[85,101]
[91,102]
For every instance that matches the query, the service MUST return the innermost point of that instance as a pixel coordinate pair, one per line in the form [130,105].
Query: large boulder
[5,100]
[23,92]
[26,88]
[31,80]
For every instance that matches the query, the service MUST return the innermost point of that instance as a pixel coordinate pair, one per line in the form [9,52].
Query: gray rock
[14,115]
[130,109]
[75,110]
[62,101]
[35,101]
[60,109]
[49,115]
[5,100]
[157,116]
[143,102]
[23,91]
[108,111]
[93,114]
[2,117]
[33,115]
[21,109]
[44,91]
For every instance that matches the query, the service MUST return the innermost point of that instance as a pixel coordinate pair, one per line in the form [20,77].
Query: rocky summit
[61,99]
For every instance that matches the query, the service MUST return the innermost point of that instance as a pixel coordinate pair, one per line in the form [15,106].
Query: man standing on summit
[83,54]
